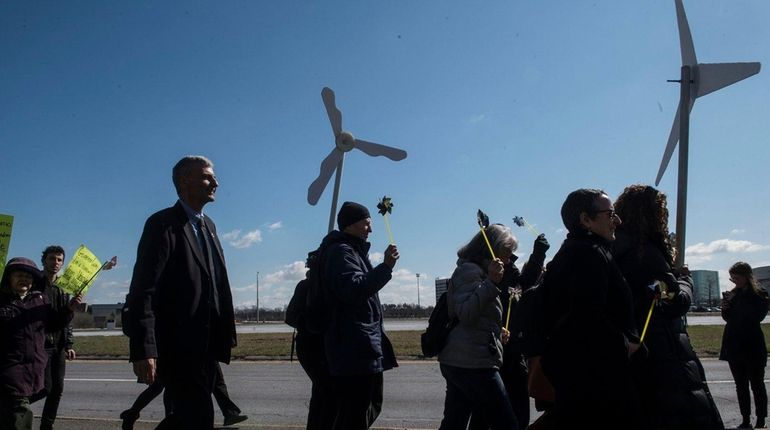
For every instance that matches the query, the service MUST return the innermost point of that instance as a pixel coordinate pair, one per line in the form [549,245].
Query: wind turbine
[344,142]
[697,80]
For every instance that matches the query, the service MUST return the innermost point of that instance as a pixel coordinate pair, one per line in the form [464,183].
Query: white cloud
[702,252]
[477,118]
[291,272]
[737,231]
[275,226]
[235,239]
[376,258]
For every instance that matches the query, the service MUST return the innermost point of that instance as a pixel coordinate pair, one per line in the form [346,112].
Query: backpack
[526,325]
[307,310]
[439,326]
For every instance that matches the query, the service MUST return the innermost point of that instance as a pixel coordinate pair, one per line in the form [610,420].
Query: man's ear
[585,219]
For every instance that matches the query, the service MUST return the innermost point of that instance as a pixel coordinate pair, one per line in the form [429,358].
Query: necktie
[209,258]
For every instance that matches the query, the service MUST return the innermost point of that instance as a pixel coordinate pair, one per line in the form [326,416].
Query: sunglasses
[611,212]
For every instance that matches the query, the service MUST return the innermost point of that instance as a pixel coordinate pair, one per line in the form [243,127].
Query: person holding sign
[181,309]
[58,343]
[25,317]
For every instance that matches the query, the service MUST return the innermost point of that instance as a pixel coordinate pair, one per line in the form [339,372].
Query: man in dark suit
[181,309]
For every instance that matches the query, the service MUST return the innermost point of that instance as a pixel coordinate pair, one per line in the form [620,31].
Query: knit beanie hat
[350,213]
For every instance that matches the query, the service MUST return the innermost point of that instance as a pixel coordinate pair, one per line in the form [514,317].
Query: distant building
[762,275]
[105,315]
[706,288]
[441,286]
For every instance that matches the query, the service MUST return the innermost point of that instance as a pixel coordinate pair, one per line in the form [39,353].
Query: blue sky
[505,106]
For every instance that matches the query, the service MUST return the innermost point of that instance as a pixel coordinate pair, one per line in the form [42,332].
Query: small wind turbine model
[697,80]
[344,142]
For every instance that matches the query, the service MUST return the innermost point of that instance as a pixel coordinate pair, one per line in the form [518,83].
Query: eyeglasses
[611,212]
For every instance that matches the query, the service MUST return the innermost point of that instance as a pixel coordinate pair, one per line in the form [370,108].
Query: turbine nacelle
[345,141]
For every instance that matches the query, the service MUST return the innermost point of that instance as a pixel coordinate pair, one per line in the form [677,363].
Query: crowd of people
[607,345]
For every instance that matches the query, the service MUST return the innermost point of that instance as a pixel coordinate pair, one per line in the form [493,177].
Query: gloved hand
[541,245]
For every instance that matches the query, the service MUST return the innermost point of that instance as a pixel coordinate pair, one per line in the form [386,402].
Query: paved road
[390,325]
[275,395]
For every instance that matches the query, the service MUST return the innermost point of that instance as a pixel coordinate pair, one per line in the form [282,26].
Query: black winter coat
[743,340]
[23,324]
[669,378]
[61,339]
[355,341]
[589,321]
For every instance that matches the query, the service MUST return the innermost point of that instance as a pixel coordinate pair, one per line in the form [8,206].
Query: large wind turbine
[344,142]
[697,80]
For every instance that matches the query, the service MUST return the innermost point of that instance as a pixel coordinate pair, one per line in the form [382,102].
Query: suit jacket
[171,310]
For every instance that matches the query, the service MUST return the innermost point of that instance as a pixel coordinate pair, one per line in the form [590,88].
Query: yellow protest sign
[6,226]
[80,272]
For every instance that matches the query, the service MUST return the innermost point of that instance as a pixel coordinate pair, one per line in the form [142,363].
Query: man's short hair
[53,249]
[183,167]
[577,202]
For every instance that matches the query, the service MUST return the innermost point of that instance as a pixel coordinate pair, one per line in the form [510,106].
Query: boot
[760,423]
[746,423]
[129,417]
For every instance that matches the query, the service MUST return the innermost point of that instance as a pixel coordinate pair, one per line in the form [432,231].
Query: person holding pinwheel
[357,348]
[588,320]
[473,355]
[514,369]
[669,378]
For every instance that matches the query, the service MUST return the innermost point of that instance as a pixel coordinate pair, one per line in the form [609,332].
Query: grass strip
[706,341]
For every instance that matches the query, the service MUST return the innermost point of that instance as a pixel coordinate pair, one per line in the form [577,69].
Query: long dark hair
[744,269]
[645,217]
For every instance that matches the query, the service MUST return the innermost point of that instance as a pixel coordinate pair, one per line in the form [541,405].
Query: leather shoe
[235,419]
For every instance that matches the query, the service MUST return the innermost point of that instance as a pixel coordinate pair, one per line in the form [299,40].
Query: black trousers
[189,384]
[226,405]
[323,407]
[54,387]
[359,400]
[745,375]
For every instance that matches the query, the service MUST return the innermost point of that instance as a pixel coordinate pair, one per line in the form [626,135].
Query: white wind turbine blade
[335,116]
[685,37]
[375,150]
[328,166]
[673,139]
[712,77]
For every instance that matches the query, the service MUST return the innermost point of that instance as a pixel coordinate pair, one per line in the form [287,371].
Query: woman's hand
[505,335]
[495,270]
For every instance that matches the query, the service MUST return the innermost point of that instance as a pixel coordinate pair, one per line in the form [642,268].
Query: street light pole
[257,297]
[418,291]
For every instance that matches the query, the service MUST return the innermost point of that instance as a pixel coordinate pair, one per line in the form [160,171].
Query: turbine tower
[696,80]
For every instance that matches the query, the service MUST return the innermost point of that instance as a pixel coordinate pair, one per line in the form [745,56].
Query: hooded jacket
[355,340]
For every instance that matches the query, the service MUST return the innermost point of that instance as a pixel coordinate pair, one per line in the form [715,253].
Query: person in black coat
[669,378]
[181,308]
[588,318]
[357,349]
[743,343]
[58,343]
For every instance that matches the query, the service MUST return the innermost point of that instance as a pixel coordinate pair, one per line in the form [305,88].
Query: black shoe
[235,419]
[129,417]
[745,424]
[760,423]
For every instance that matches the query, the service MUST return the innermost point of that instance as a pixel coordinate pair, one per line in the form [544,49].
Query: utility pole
[257,297]
[418,291]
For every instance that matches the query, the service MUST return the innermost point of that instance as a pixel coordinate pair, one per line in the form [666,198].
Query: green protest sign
[6,227]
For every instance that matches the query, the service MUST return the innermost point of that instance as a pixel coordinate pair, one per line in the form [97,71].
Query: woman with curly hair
[669,378]
[743,343]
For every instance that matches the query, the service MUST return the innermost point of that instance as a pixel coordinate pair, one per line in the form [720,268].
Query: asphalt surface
[275,394]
